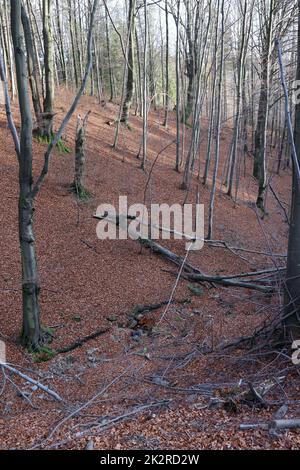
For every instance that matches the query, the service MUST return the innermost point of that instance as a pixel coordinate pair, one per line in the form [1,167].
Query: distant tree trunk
[239,89]
[110,73]
[32,72]
[48,114]
[192,53]
[73,46]
[218,125]
[193,152]
[145,88]
[8,47]
[211,120]
[167,85]
[178,120]
[151,70]
[260,170]
[61,44]
[98,73]
[130,63]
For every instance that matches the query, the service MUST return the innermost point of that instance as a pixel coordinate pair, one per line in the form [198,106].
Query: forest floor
[153,387]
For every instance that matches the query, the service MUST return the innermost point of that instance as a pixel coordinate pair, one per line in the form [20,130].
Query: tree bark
[130,63]
[31,334]
[48,115]
[260,170]
[32,72]
[291,318]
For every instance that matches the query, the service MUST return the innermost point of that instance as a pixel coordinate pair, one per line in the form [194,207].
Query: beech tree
[291,317]
[32,332]
[49,68]
[130,63]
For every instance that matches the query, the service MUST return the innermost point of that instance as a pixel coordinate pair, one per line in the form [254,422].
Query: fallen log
[276,425]
[285,424]
[195,274]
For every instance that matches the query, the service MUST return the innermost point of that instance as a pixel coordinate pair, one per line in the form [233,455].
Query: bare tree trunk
[291,319]
[80,158]
[245,33]
[61,44]
[145,88]
[167,85]
[130,63]
[73,46]
[31,335]
[32,72]
[178,120]
[110,73]
[48,114]
[260,170]
[218,129]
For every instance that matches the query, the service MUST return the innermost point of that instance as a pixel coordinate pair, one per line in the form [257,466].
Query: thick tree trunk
[292,284]
[31,333]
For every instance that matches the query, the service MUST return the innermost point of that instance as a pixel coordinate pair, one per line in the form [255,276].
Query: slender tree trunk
[240,82]
[260,170]
[218,126]
[61,44]
[130,63]
[145,88]
[32,72]
[110,72]
[48,114]
[178,89]
[167,84]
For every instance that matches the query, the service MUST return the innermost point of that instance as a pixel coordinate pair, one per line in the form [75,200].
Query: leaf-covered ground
[145,384]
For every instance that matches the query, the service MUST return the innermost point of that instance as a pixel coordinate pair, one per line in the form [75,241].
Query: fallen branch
[285,424]
[175,259]
[275,425]
[107,424]
[32,381]
[231,283]
[192,273]
[233,249]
